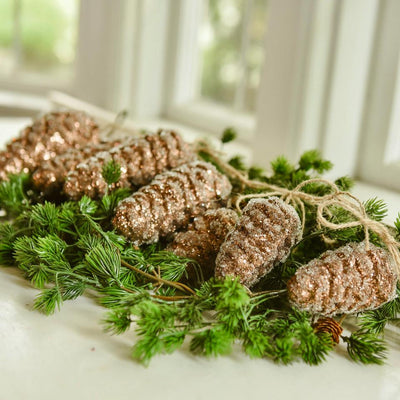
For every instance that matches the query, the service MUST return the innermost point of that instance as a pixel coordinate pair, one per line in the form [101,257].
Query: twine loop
[323,204]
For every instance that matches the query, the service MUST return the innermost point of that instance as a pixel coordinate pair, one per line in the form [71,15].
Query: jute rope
[296,197]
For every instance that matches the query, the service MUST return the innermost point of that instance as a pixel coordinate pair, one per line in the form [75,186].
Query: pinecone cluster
[261,239]
[202,240]
[170,201]
[140,159]
[52,134]
[347,280]
[178,193]
[50,176]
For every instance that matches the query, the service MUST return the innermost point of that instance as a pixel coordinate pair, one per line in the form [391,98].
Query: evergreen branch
[13,197]
[111,172]
[365,347]
[228,135]
[177,285]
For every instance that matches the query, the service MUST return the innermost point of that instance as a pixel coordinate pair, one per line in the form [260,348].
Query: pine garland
[65,248]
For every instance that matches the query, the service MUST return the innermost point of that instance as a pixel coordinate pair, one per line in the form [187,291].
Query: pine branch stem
[170,298]
[271,292]
[176,285]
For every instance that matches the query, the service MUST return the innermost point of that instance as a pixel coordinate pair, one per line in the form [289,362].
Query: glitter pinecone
[140,159]
[202,240]
[346,280]
[261,239]
[52,134]
[50,176]
[170,201]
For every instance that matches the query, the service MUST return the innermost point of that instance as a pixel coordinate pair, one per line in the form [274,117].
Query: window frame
[182,104]
[382,112]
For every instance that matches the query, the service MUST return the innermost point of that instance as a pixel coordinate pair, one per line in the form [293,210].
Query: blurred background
[289,75]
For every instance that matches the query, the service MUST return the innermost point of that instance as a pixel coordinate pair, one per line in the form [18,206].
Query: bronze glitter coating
[170,201]
[52,134]
[141,159]
[262,238]
[50,176]
[202,240]
[343,281]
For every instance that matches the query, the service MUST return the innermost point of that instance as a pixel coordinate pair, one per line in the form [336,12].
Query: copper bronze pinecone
[50,176]
[170,201]
[202,240]
[140,159]
[52,134]
[347,280]
[261,239]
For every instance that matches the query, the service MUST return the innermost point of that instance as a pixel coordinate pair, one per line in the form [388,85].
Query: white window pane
[43,38]
[231,42]
[6,36]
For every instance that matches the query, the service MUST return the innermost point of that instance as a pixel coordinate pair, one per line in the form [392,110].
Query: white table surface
[67,356]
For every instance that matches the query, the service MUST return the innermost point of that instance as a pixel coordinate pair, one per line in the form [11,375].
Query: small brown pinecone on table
[52,134]
[262,238]
[140,159]
[202,240]
[329,326]
[170,201]
[50,176]
[347,280]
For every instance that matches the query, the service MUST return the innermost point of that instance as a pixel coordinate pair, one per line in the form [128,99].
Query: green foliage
[375,321]
[366,347]
[281,166]
[397,224]
[104,261]
[13,198]
[255,172]
[117,321]
[212,342]
[228,135]
[376,209]
[48,301]
[312,160]
[238,163]
[8,234]
[111,172]
[110,200]
[344,183]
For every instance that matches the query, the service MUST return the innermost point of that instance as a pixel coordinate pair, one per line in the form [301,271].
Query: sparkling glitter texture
[170,201]
[261,239]
[202,240]
[52,134]
[141,159]
[50,176]
[347,280]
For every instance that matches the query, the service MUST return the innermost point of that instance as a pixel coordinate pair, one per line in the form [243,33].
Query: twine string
[324,203]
